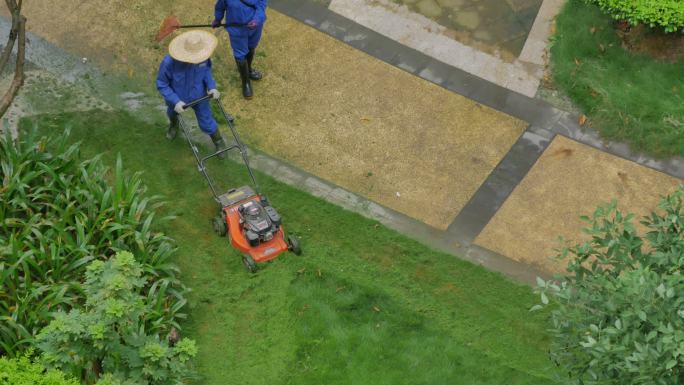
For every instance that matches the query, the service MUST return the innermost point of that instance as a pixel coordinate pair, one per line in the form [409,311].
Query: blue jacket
[178,81]
[241,11]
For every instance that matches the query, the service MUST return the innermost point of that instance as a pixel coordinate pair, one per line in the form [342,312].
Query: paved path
[546,122]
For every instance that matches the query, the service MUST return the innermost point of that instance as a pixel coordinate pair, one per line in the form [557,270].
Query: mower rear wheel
[293,245]
[249,263]
[219,225]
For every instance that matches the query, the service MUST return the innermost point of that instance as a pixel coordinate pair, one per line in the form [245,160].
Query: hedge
[665,14]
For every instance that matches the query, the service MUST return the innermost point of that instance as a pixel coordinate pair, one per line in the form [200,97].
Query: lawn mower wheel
[219,224]
[293,245]
[249,263]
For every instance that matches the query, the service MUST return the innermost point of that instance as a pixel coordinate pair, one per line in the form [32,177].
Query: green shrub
[620,314]
[57,214]
[665,14]
[108,335]
[21,371]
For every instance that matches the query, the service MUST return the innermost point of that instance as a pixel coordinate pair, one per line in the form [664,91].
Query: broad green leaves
[620,311]
[57,214]
[108,336]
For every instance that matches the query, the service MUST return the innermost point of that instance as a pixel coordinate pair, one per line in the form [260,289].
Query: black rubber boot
[172,132]
[243,68]
[219,143]
[253,74]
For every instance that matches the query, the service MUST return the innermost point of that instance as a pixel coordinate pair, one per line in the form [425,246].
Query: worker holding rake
[185,75]
[244,23]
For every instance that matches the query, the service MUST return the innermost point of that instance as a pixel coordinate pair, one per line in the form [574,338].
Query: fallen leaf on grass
[602,48]
[318,272]
[303,309]
[577,62]
[302,270]
[339,289]
[365,120]
[376,309]
[582,120]
[592,30]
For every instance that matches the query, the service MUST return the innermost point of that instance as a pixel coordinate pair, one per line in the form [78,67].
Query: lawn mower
[254,226]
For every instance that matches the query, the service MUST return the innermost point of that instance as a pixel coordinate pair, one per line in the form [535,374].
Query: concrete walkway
[513,186]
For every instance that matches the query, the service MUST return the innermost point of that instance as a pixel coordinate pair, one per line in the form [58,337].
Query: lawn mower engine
[259,220]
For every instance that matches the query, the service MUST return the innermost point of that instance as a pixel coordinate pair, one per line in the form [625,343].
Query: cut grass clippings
[363,305]
[628,97]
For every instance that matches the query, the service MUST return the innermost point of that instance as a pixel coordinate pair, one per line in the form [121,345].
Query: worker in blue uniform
[184,76]
[244,22]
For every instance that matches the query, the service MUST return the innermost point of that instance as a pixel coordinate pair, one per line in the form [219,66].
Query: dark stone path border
[537,112]
[491,195]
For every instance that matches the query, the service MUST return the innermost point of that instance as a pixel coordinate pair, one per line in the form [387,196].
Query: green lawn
[363,305]
[627,97]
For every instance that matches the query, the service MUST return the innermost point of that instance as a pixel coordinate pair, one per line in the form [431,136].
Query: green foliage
[22,371]
[109,335]
[627,97]
[665,14]
[620,315]
[57,214]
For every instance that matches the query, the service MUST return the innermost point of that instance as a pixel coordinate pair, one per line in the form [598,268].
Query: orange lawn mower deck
[253,225]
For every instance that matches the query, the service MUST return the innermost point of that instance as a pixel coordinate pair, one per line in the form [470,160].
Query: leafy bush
[21,371]
[620,314]
[665,14]
[57,214]
[109,336]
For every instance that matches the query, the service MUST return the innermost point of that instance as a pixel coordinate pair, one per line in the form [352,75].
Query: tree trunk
[7,51]
[20,22]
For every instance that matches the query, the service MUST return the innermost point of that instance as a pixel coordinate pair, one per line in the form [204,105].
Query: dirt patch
[659,45]
[569,180]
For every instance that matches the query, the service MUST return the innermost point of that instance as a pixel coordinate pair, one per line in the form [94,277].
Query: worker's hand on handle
[179,107]
[214,93]
[252,24]
[216,23]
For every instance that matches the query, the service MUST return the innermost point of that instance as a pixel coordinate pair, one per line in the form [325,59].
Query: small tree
[108,336]
[620,313]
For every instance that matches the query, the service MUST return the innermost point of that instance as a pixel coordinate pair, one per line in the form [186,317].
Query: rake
[171,24]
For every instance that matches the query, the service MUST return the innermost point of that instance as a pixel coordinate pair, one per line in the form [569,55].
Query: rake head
[168,26]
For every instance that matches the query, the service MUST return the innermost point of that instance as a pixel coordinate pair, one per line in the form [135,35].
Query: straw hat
[193,46]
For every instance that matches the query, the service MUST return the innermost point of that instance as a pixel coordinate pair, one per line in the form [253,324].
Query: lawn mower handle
[197,101]
[238,144]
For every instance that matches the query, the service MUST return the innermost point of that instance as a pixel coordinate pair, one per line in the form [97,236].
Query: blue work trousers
[205,119]
[243,39]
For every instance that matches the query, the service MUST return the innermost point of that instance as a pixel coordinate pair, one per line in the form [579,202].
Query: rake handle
[199,26]
[209,25]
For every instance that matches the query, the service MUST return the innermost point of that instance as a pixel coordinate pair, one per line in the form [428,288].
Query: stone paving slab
[570,179]
[418,32]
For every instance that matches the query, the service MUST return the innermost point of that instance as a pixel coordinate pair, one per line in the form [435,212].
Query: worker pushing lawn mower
[245,214]
[184,75]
